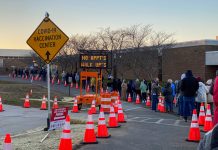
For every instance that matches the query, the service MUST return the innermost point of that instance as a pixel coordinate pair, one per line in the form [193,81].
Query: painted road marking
[132,108]
[159,121]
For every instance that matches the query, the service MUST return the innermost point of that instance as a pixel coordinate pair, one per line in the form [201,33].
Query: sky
[186,19]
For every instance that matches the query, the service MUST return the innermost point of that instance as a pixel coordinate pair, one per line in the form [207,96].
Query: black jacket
[189,86]
[168,93]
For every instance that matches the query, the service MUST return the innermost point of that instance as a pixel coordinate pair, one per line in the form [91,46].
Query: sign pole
[48,81]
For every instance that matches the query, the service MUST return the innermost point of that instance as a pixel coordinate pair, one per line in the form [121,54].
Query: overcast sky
[188,19]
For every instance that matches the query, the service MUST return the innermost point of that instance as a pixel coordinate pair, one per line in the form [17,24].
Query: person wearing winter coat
[215,99]
[155,92]
[201,94]
[143,88]
[124,90]
[189,87]
[180,96]
[209,95]
[168,96]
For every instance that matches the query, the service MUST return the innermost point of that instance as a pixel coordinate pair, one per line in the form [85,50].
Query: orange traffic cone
[208,124]
[201,118]
[75,107]
[102,128]
[162,107]
[55,103]
[116,106]
[129,98]
[194,132]
[23,77]
[87,89]
[1,106]
[43,105]
[93,108]
[159,104]
[77,86]
[58,82]
[102,91]
[66,139]
[27,102]
[112,118]
[137,100]
[90,137]
[26,77]
[148,102]
[65,83]
[71,85]
[40,78]
[121,118]
[7,142]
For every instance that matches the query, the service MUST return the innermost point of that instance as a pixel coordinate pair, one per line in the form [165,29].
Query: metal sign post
[49,96]
[46,41]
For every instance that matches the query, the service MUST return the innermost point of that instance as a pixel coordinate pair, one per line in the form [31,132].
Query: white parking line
[132,109]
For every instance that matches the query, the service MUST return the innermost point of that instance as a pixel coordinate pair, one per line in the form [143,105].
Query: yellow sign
[47,40]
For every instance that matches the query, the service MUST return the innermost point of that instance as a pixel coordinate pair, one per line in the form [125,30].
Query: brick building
[10,58]
[199,56]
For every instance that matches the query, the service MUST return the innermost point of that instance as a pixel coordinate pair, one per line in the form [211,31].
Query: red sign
[58,117]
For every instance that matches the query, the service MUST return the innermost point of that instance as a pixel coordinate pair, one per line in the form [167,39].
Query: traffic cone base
[102,132]
[121,118]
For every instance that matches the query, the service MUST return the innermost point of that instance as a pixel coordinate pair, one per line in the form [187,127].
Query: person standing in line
[168,95]
[143,88]
[180,96]
[215,98]
[189,87]
[155,92]
[201,94]
[209,95]
[173,90]
[124,90]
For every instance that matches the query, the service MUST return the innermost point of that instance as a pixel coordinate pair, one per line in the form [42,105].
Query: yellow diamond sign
[47,40]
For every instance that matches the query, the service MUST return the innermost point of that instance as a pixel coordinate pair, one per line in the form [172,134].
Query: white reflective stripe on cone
[75,105]
[101,122]
[66,136]
[113,97]
[67,126]
[120,111]
[7,146]
[112,115]
[111,109]
[105,99]
[105,106]
[101,115]
[194,125]
[90,126]
[202,108]
[194,117]
[202,114]
[208,119]
[208,113]
[89,118]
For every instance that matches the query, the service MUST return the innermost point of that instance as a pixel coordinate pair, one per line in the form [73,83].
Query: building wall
[177,60]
